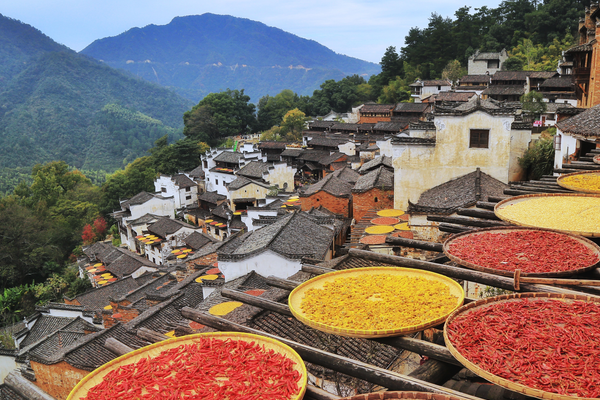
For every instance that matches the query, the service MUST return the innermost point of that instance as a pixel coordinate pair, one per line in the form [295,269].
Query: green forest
[46,206]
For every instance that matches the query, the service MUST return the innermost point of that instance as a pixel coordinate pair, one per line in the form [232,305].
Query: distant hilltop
[199,54]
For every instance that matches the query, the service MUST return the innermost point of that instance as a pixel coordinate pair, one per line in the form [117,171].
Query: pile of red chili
[207,369]
[549,345]
[531,251]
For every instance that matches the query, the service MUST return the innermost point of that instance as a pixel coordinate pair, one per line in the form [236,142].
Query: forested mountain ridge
[207,53]
[66,106]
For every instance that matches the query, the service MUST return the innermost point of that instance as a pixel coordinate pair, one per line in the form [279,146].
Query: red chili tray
[596,159]
[537,349]
[593,247]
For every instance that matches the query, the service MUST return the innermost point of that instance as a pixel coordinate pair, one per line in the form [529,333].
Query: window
[216,181]
[164,190]
[187,189]
[188,197]
[375,200]
[205,164]
[493,64]
[479,138]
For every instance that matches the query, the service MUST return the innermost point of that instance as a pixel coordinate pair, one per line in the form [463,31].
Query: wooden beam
[117,347]
[25,387]
[434,371]
[281,283]
[497,199]
[479,223]
[314,269]
[316,393]
[357,369]
[151,336]
[257,301]
[452,228]
[502,282]
[488,205]
[415,244]
[474,212]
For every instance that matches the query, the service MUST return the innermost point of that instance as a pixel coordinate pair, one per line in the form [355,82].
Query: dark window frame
[479,138]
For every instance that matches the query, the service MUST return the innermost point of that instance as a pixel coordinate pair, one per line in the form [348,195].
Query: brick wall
[338,205]
[57,379]
[373,120]
[363,202]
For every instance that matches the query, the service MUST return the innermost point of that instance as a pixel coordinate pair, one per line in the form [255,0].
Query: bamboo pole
[460,273]
[151,335]
[281,283]
[117,347]
[357,369]
[416,244]
[518,280]
[474,212]
[479,223]
[257,301]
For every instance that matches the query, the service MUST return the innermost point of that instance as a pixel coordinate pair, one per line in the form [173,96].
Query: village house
[220,165]
[277,249]
[331,192]
[473,83]
[180,186]
[487,63]
[423,89]
[480,133]
[576,136]
[373,191]
[374,113]
[278,174]
[272,150]
[559,90]
[445,199]
[117,261]
[171,234]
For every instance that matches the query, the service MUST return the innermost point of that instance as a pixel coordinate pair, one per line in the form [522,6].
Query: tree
[88,235]
[339,96]
[391,66]
[453,71]
[534,103]
[100,227]
[395,92]
[229,112]
[272,109]
[292,125]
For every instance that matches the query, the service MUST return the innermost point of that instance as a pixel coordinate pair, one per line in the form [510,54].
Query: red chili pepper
[209,368]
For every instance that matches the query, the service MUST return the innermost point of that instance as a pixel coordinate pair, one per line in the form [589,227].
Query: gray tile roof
[294,236]
[463,191]
[376,163]
[328,142]
[376,108]
[411,107]
[326,161]
[183,181]
[242,181]
[454,96]
[254,170]
[197,240]
[345,127]
[586,124]
[126,263]
[44,326]
[346,174]
[6,393]
[332,185]
[90,353]
[314,155]
[398,125]
[480,79]
[320,124]
[272,145]
[144,219]
[222,210]
[229,157]
[97,299]
[197,172]
[504,90]
[563,82]
[140,198]
[211,197]
[381,178]
[168,226]
[292,152]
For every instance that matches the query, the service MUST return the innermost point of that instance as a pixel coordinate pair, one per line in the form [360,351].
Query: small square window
[187,189]
[164,190]
[479,138]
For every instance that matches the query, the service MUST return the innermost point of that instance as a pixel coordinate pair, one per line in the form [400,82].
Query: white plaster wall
[429,90]
[57,312]
[224,179]
[256,214]
[281,174]
[385,147]
[568,145]
[140,271]
[348,148]
[7,365]
[154,206]
[418,168]
[265,263]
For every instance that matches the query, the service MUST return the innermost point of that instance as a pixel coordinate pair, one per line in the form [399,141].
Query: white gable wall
[265,263]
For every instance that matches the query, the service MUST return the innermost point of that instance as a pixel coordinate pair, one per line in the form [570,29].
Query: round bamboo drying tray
[561,181]
[297,295]
[565,229]
[96,376]
[596,159]
[508,384]
[504,229]
[402,395]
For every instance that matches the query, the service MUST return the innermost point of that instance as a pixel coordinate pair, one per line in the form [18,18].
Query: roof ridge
[278,232]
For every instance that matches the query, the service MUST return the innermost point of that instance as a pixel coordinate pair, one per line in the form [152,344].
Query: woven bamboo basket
[297,295]
[565,229]
[508,384]
[403,395]
[504,229]
[561,181]
[96,376]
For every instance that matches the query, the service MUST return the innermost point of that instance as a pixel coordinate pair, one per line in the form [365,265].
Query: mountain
[200,54]
[56,104]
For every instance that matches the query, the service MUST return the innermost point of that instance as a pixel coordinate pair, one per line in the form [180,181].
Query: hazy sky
[357,28]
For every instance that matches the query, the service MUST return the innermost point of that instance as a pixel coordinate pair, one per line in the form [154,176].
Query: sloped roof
[292,152]
[582,48]
[511,75]
[381,178]
[242,181]
[454,96]
[44,326]
[480,79]
[586,124]
[98,298]
[293,236]
[376,108]
[376,163]
[140,198]
[393,126]
[346,174]
[127,263]
[437,82]
[272,145]
[254,170]
[487,56]
[211,197]
[504,90]
[327,141]
[565,82]
[340,126]
[167,226]
[320,124]
[314,155]
[197,240]
[229,157]
[183,181]
[330,184]
[332,158]
[197,172]
[222,210]
[144,219]
[463,191]
[411,107]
